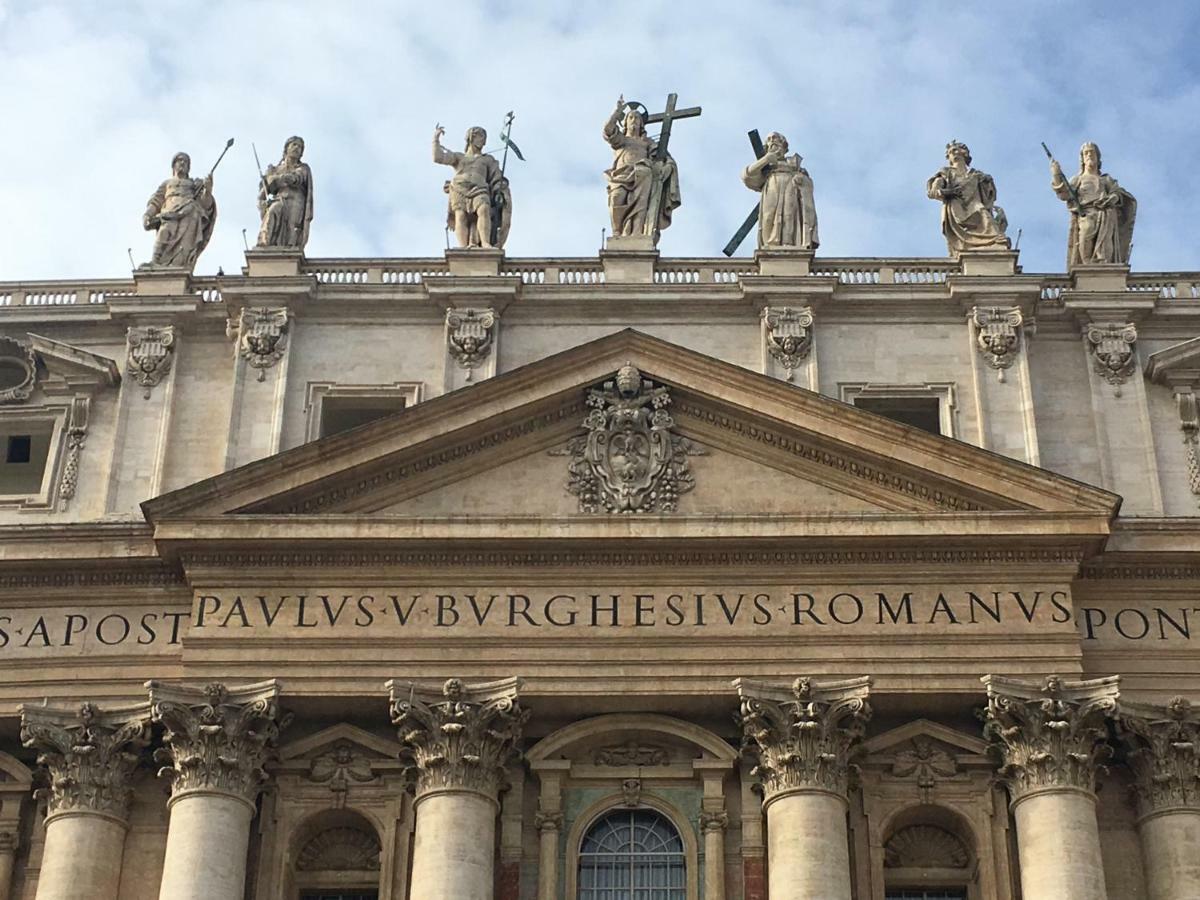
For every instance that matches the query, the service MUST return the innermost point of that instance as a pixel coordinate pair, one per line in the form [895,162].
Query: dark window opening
[20,448]
[926,894]
[340,414]
[335,894]
[920,412]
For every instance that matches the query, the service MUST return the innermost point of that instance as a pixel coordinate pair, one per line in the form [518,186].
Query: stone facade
[403,577]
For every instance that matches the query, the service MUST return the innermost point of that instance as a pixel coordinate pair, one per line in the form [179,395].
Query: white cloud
[100,95]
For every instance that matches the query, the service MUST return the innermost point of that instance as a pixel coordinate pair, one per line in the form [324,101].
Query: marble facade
[626,534]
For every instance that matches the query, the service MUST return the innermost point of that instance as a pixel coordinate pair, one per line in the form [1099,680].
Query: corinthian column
[217,740]
[90,755]
[1163,748]
[459,742]
[1050,741]
[804,740]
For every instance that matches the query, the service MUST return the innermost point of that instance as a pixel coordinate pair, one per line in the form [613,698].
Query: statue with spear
[183,213]
[480,201]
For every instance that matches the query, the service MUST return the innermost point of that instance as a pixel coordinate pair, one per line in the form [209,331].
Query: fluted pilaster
[804,740]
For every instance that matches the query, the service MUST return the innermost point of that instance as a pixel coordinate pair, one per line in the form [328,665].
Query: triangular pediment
[759,450]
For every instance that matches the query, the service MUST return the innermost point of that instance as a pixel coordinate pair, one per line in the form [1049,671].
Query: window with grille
[923,894]
[632,854]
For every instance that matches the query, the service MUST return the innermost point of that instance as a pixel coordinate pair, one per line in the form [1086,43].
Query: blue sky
[99,96]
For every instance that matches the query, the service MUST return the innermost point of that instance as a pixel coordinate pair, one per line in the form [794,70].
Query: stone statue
[637,181]
[971,220]
[1103,212]
[285,200]
[480,211]
[787,215]
[183,213]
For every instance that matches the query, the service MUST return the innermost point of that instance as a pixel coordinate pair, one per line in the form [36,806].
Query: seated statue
[971,220]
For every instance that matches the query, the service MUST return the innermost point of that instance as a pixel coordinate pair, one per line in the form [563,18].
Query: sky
[99,95]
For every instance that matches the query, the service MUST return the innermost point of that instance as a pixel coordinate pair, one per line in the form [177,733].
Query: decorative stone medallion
[469,336]
[151,352]
[789,335]
[629,461]
[998,335]
[1112,351]
[262,338]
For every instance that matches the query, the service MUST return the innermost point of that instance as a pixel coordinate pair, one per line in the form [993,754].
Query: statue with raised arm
[285,199]
[182,212]
[971,220]
[787,215]
[1102,212]
[480,201]
[638,176]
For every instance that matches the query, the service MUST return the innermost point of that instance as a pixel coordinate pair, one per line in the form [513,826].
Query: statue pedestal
[783,261]
[156,281]
[988,262]
[1106,277]
[270,262]
[629,259]
[474,261]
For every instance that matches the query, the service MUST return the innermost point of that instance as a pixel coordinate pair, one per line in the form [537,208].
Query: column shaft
[1171,846]
[548,864]
[82,858]
[7,854]
[1059,846]
[808,848]
[207,841]
[454,849]
[714,864]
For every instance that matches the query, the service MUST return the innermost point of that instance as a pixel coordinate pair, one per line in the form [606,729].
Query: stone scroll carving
[470,334]
[151,353]
[89,753]
[629,461]
[998,335]
[1112,351]
[789,336]
[461,738]
[1163,748]
[805,738]
[18,370]
[261,336]
[1048,735]
[216,738]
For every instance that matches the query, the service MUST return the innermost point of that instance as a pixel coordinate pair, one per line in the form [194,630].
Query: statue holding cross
[786,214]
[643,183]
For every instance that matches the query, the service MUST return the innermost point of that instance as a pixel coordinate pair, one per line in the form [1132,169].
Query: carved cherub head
[1089,158]
[453,689]
[958,150]
[181,165]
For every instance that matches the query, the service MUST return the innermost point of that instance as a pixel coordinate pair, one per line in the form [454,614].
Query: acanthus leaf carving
[151,353]
[1163,749]
[89,753]
[461,738]
[632,754]
[262,336]
[998,335]
[470,334]
[805,738]
[630,460]
[789,336]
[1049,735]
[1112,348]
[216,739]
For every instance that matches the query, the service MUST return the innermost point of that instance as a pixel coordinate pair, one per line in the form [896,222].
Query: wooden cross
[736,240]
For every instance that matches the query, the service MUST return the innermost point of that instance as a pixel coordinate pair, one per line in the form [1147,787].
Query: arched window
[632,854]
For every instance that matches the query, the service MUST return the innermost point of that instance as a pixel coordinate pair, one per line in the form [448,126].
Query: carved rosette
[998,335]
[1049,735]
[462,738]
[470,334]
[1112,351]
[18,370]
[629,461]
[789,336]
[217,739]
[1163,749]
[90,755]
[151,353]
[806,738]
[262,337]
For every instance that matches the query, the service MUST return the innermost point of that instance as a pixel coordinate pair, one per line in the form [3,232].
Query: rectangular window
[26,449]
[926,894]
[920,412]
[340,414]
[337,894]
[20,447]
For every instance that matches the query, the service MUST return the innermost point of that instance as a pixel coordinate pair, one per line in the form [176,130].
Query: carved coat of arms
[262,337]
[629,461]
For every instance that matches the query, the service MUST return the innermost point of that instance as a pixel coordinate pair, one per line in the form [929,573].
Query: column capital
[1162,745]
[461,737]
[90,754]
[804,737]
[548,821]
[217,738]
[714,821]
[1051,734]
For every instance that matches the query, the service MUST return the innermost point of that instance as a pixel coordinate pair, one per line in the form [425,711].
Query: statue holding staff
[1102,212]
[285,199]
[971,220]
[479,194]
[183,213]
